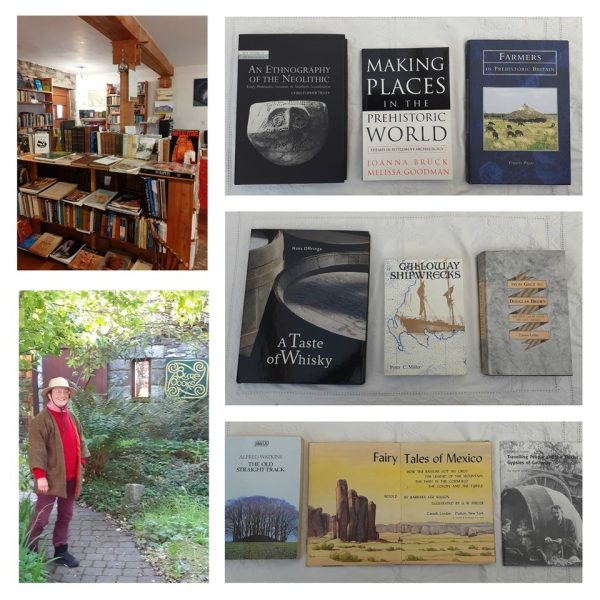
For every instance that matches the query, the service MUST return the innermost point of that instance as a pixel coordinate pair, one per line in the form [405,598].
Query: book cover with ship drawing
[406,116]
[262,496]
[377,503]
[524,313]
[424,329]
[305,307]
[541,503]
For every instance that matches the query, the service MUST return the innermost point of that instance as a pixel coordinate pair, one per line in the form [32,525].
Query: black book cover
[305,307]
[291,121]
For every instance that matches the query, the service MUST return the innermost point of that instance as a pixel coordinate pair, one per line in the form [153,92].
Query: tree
[98,326]
[259,518]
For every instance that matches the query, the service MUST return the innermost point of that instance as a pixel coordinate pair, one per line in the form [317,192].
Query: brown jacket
[46,452]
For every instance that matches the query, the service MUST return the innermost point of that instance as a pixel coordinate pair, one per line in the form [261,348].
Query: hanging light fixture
[81,68]
[123,67]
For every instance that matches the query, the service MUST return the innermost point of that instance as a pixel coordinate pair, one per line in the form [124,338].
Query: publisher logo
[253,55]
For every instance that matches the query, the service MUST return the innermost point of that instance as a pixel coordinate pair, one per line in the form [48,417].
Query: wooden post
[128,52]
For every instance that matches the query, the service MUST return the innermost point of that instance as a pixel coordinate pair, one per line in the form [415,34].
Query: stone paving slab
[105,555]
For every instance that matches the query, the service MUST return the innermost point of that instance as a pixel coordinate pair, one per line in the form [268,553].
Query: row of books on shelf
[76,255]
[523,311]
[29,83]
[111,214]
[29,119]
[383,503]
[30,97]
[117,164]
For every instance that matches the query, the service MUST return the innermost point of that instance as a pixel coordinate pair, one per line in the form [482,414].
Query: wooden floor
[30,262]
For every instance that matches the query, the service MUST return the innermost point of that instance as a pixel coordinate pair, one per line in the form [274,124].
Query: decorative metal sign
[185,378]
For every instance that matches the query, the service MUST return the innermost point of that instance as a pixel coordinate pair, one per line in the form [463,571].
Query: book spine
[483,325]
[467,111]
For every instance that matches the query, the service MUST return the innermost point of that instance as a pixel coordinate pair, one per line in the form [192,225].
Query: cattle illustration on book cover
[424,331]
[376,503]
[262,497]
[305,307]
[541,503]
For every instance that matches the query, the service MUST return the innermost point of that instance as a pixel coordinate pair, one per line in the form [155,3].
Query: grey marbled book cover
[524,313]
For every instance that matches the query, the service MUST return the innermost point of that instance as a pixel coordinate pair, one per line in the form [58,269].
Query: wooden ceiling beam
[126,28]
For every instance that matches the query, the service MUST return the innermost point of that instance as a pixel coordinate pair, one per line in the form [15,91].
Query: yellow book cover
[375,503]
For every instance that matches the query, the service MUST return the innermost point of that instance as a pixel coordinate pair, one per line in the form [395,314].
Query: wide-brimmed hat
[58,382]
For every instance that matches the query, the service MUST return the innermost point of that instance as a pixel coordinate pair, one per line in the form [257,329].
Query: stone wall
[119,371]
[59,78]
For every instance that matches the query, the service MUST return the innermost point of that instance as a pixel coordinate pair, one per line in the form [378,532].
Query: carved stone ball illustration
[288,132]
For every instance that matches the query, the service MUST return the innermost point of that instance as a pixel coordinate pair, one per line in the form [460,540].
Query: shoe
[62,557]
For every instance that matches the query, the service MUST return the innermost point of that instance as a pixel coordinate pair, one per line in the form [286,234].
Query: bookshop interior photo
[112,142]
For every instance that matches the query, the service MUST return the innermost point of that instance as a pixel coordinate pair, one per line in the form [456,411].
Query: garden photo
[113,436]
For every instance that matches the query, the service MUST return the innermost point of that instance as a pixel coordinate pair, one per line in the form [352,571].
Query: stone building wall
[119,371]
[59,78]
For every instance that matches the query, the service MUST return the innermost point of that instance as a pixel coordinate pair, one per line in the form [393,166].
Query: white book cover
[424,325]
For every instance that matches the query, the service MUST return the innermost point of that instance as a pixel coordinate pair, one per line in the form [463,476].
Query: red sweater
[68,437]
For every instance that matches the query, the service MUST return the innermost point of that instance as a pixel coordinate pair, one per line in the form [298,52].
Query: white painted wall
[185,115]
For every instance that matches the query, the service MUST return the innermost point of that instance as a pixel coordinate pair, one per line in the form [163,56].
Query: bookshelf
[181,206]
[113,107]
[140,108]
[34,107]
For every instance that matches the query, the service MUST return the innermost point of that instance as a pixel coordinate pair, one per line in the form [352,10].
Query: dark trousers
[41,515]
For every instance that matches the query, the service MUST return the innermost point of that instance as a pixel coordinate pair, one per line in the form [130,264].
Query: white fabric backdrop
[407,32]
[296,571]
[416,235]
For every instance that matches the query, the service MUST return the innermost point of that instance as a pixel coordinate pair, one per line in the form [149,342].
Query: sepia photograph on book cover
[424,327]
[541,503]
[417,134]
[305,307]
[291,109]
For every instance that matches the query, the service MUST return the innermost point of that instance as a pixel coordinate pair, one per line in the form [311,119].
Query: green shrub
[463,553]
[413,558]
[344,557]
[472,547]
[485,554]
[32,565]
[176,518]
[325,546]
[25,476]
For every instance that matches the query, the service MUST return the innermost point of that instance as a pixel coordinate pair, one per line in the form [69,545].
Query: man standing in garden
[57,453]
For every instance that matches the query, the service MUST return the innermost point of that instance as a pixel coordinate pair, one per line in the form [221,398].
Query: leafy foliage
[32,565]
[100,325]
